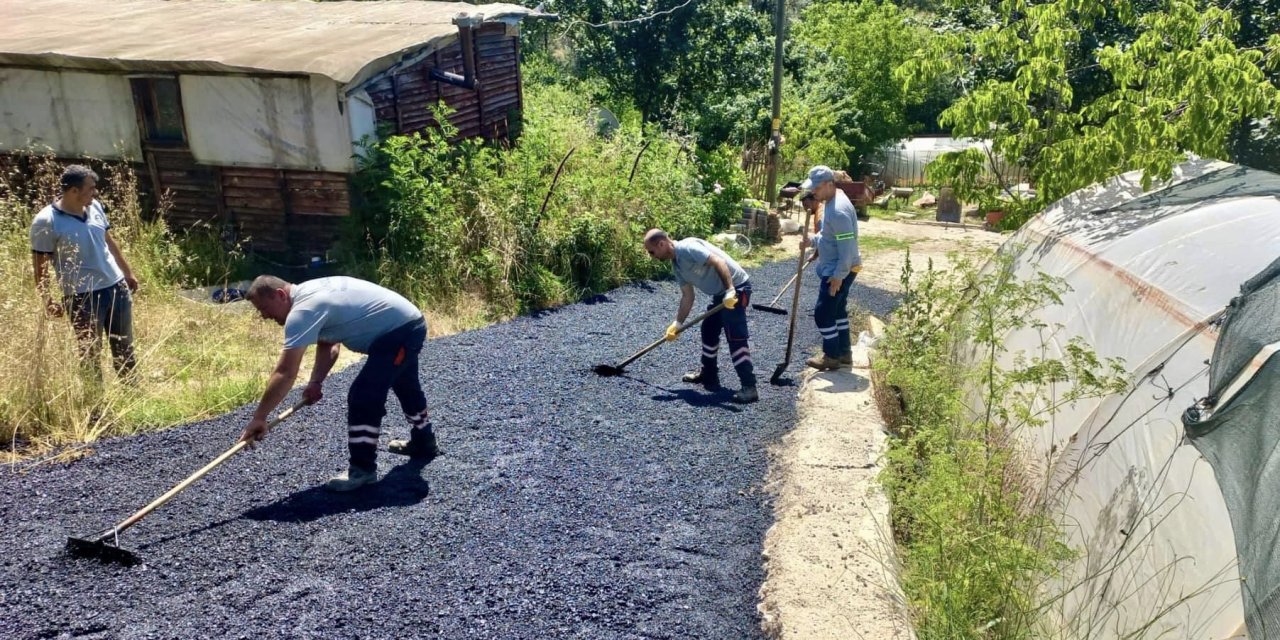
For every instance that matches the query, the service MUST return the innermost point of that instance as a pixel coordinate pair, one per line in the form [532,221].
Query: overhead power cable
[618,23]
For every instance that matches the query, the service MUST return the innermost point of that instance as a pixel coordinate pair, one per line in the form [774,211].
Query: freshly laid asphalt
[565,505]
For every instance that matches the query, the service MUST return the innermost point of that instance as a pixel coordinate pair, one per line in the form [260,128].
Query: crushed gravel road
[565,505]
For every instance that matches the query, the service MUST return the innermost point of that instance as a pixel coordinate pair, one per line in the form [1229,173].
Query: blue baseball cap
[817,176]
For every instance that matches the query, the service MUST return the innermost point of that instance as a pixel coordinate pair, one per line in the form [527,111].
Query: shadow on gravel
[403,486]
[722,399]
[188,534]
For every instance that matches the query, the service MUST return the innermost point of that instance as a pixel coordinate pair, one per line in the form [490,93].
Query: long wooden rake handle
[681,329]
[158,502]
[795,298]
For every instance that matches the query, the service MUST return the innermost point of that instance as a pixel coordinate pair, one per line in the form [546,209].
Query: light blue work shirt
[691,266]
[837,242]
[78,245]
[344,310]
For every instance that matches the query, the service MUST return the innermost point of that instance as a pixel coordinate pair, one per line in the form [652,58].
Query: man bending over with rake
[698,263]
[366,318]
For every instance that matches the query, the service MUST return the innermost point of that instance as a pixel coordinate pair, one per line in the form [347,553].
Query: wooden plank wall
[191,188]
[19,179]
[283,210]
[498,65]
[404,100]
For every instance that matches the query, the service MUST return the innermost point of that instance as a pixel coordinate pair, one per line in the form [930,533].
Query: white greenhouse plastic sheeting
[73,114]
[348,42]
[1148,272]
[290,123]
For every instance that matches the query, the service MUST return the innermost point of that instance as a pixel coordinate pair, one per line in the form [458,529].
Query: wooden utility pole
[775,137]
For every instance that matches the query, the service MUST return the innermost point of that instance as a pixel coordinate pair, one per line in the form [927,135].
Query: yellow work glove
[731,299]
[673,331]
[857,269]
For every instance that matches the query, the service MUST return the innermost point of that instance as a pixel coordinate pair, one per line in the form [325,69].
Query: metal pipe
[466,41]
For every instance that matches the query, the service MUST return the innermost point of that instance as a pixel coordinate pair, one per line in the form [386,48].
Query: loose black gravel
[565,505]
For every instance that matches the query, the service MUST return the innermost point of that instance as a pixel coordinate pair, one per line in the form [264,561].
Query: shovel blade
[776,378]
[607,370]
[768,309]
[101,551]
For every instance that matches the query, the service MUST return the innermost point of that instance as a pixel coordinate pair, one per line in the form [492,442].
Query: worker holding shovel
[366,318]
[698,263]
[838,264]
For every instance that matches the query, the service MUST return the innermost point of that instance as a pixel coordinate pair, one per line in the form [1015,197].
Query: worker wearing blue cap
[838,264]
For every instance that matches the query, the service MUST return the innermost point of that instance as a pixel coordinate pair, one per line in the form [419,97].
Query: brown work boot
[847,359]
[822,363]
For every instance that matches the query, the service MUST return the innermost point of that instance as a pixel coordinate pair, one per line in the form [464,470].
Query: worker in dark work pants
[702,265]
[838,265]
[366,318]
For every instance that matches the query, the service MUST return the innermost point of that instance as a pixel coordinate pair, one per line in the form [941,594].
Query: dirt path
[882,268]
[829,557]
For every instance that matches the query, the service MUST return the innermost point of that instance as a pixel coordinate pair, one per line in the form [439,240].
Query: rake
[609,371]
[773,307]
[105,545]
[795,300]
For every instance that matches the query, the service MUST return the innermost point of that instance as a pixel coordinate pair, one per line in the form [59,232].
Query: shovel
[776,379]
[609,371]
[105,546]
[773,307]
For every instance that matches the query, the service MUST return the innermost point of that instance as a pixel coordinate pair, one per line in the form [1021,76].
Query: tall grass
[194,360]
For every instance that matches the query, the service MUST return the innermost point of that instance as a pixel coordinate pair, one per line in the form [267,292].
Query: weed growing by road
[976,539]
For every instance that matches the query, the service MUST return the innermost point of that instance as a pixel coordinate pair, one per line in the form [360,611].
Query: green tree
[1079,91]
[844,102]
[702,66]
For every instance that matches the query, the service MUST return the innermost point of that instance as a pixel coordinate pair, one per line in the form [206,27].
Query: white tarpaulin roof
[1148,273]
[344,41]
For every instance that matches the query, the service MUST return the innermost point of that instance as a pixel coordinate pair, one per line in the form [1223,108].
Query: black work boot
[708,380]
[354,478]
[421,447]
[746,395]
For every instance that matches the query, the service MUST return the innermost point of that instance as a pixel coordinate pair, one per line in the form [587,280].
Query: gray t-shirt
[78,246]
[347,310]
[691,266]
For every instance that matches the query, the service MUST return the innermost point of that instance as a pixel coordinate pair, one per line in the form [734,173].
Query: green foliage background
[440,217]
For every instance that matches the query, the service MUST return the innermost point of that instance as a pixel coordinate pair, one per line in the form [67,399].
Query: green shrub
[976,535]
[437,217]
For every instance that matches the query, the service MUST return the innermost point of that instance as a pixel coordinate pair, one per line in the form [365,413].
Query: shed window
[160,109]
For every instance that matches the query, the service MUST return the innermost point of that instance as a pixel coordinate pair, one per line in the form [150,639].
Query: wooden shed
[248,113]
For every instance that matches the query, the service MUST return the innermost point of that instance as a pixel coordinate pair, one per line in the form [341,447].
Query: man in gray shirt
[96,281]
[368,319]
[704,266]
